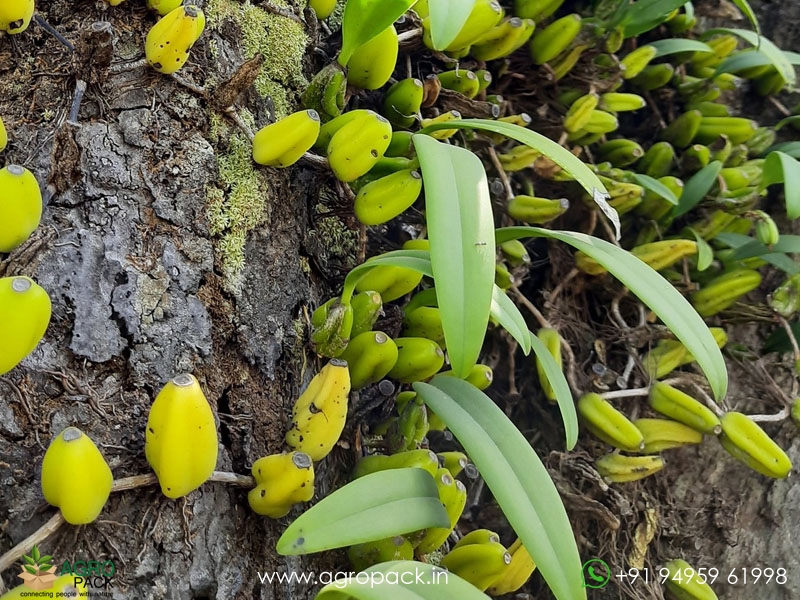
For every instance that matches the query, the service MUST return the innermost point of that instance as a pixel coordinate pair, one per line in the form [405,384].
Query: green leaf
[705,254]
[655,186]
[645,15]
[458,212]
[748,247]
[782,168]
[677,45]
[739,61]
[503,310]
[447,18]
[45,559]
[387,581]
[35,553]
[558,154]
[373,507]
[31,570]
[419,260]
[516,476]
[776,56]
[561,389]
[45,566]
[426,297]
[697,187]
[792,57]
[28,559]
[787,121]
[506,313]
[364,19]
[788,243]
[747,11]
[790,148]
[652,289]
[751,57]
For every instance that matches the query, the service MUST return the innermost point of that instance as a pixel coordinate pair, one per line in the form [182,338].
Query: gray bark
[139,296]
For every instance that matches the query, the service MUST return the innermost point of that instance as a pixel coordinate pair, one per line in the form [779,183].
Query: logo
[92,574]
[72,579]
[37,573]
[596,573]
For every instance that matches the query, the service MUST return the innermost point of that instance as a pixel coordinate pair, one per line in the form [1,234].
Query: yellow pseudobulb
[24,316]
[168,42]
[15,15]
[20,206]
[76,477]
[181,438]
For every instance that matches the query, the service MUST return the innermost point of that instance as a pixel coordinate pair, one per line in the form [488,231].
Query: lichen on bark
[237,203]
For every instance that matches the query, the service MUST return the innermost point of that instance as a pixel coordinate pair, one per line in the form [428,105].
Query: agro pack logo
[90,574]
[37,572]
[73,579]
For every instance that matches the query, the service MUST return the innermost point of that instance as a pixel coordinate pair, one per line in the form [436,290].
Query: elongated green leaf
[28,559]
[364,19]
[372,507]
[655,186]
[766,47]
[782,168]
[503,310]
[705,254]
[677,45]
[787,121]
[645,15]
[753,248]
[739,61]
[790,148]
[35,553]
[747,11]
[31,570]
[402,580]
[752,58]
[515,475]
[782,262]
[447,18]
[748,247]
[458,212]
[652,289]
[506,313]
[792,57]
[697,187]
[558,154]
[788,243]
[561,389]
[418,260]
[426,297]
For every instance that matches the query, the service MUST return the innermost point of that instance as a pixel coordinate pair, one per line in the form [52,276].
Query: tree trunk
[165,250]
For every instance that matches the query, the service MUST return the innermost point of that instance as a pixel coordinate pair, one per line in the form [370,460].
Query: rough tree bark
[170,253]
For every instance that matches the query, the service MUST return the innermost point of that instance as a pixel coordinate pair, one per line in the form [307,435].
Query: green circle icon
[596,573]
